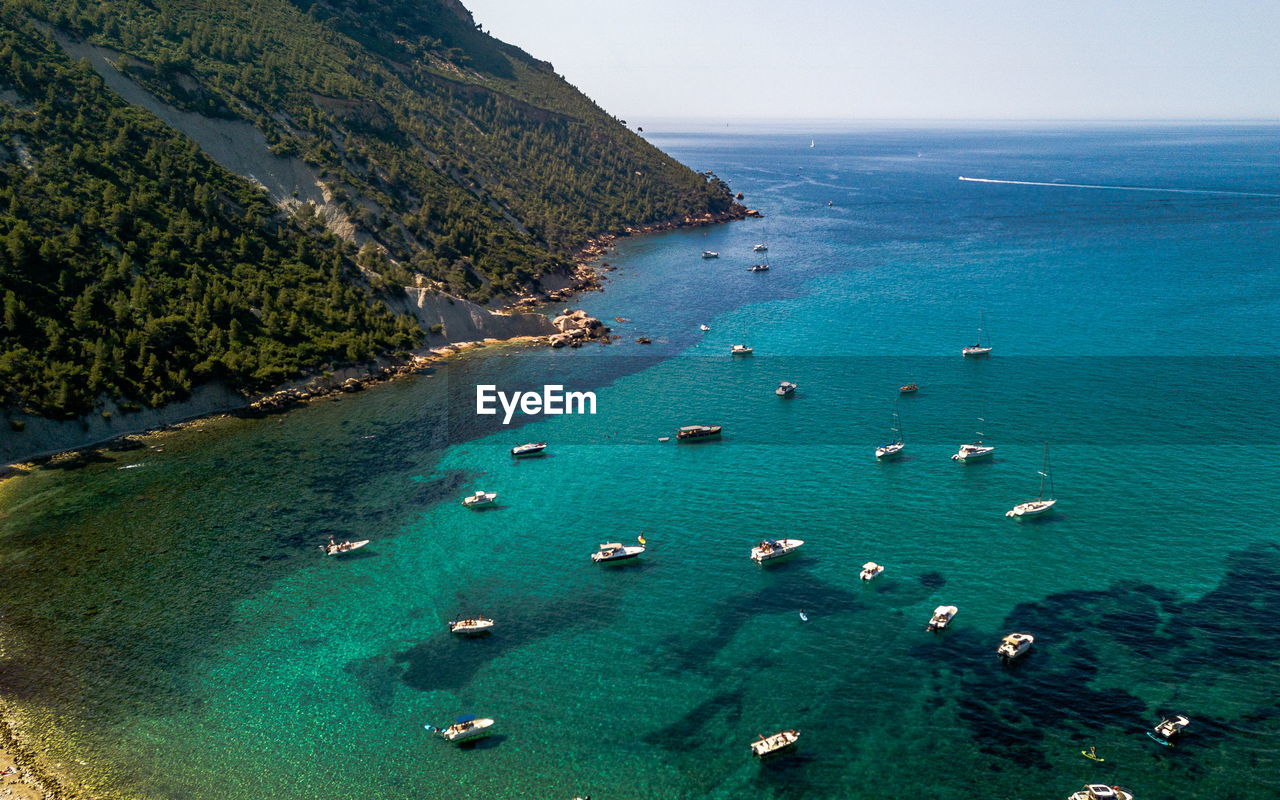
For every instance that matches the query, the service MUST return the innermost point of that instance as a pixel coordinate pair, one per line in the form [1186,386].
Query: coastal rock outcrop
[576,328]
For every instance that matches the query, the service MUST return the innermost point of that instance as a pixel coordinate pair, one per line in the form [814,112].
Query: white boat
[770,745]
[1100,791]
[941,618]
[769,549]
[870,570]
[895,444]
[1169,729]
[1014,645]
[530,449]
[471,626]
[696,433]
[710,254]
[704,328]
[758,268]
[741,350]
[480,499]
[464,729]
[980,349]
[761,248]
[973,451]
[785,389]
[616,551]
[338,548]
[1034,508]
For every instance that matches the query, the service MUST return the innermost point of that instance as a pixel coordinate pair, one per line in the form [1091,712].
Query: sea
[170,628]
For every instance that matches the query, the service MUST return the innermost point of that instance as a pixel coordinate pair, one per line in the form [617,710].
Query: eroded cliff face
[464,321]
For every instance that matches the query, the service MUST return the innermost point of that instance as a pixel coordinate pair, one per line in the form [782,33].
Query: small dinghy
[1014,645]
[1169,729]
[530,449]
[910,388]
[741,350]
[870,570]
[338,548]
[704,328]
[1099,791]
[612,552]
[767,746]
[480,499]
[464,729]
[941,618]
[472,626]
[771,549]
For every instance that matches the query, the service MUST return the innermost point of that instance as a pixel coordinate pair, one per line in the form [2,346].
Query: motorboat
[767,746]
[785,389]
[741,350]
[1014,645]
[973,451]
[870,570]
[616,551]
[980,349]
[464,729]
[760,248]
[530,449]
[704,328]
[910,388]
[472,626]
[1100,791]
[710,254]
[1169,729]
[1034,508]
[480,499]
[758,268]
[769,549]
[333,548]
[695,433]
[941,618]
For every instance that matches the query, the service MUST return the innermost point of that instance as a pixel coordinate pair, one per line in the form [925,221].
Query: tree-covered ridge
[133,266]
[472,163]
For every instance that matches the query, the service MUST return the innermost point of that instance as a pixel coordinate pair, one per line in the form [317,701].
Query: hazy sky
[949,59]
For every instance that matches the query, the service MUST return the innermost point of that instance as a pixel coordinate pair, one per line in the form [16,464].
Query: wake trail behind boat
[1121,188]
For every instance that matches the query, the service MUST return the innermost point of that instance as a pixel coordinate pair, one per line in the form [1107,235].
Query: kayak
[1159,740]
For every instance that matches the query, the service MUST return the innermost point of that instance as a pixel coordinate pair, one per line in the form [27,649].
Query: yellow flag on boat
[640,539]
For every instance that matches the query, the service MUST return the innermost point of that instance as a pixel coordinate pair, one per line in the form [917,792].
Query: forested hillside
[134,266]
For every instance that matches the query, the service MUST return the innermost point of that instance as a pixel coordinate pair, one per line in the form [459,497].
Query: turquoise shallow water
[171,631]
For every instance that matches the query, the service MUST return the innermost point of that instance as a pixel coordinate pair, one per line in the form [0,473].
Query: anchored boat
[870,570]
[767,746]
[941,618]
[741,350]
[694,433]
[1034,508]
[530,449]
[1169,729]
[896,443]
[616,551]
[480,499]
[1100,791]
[471,626]
[980,349]
[1014,645]
[785,389]
[338,548]
[771,549]
[464,729]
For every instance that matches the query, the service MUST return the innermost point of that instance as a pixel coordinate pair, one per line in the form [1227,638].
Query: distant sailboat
[1041,504]
[895,444]
[811,143]
[980,349]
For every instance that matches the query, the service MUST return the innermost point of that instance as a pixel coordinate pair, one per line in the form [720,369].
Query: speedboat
[338,548]
[471,626]
[870,570]
[760,248]
[480,499]
[710,254]
[941,618]
[1169,729]
[785,389]
[770,745]
[770,549]
[694,433]
[741,350]
[530,449]
[1014,645]
[704,328]
[910,388]
[616,551]
[758,268]
[890,450]
[973,451]
[464,729]
[1100,791]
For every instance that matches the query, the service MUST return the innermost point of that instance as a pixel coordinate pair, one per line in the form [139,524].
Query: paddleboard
[804,617]
[1090,756]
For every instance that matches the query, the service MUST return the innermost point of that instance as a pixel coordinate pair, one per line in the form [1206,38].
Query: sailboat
[895,444]
[811,144]
[978,350]
[1041,504]
[974,450]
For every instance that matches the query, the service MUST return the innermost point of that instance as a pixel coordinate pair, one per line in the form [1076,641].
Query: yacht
[758,268]
[480,499]
[464,729]
[941,618]
[785,389]
[530,449]
[741,350]
[896,443]
[472,626]
[769,745]
[870,570]
[973,451]
[980,349]
[338,548]
[760,248]
[770,549]
[1014,645]
[1100,791]
[710,254]
[1034,508]
[695,433]
[616,551]
[1169,729]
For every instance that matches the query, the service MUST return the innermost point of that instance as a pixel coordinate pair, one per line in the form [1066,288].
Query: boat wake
[1121,188]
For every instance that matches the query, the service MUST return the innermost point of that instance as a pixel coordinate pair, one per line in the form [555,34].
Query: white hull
[941,618]
[1032,509]
[465,732]
[781,548]
[526,450]
[968,453]
[344,547]
[1015,645]
[766,746]
[470,627]
[890,450]
[975,352]
[607,555]
[870,570]
[480,500]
